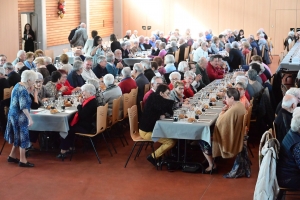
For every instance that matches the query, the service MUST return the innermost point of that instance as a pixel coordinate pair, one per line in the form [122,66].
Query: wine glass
[45,103]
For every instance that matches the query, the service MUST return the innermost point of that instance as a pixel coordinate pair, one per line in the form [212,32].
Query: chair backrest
[133,122]
[49,53]
[263,51]
[7,92]
[101,118]
[115,110]
[146,88]
[126,104]
[186,52]
[177,55]
[248,58]
[249,116]
[245,120]
[133,96]
[142,106]
[191,56]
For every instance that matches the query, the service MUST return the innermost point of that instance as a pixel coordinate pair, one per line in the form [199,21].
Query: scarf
[76,117]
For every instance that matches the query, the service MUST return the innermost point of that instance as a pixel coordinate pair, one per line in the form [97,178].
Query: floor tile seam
[207,188]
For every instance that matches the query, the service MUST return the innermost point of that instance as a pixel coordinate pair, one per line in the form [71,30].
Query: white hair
[126,72]
[19,65]
[163,45]
[100,59]
[47,60]
[138,67]
[288,101]
[157,41]
[146,64]
[228,46]
[242,79]
[39,76]
[110,57]
[8,66]
[189,74]
[176,74]
[88,58]
[77,65]
[154,78]
[295,124]
[20,52]
[296,111]
[94,82]
[128,31]
[262,35]
[182,65]
[108,79]
[89,88]
[2,71]
[235,45]
[82,25]
[28,75]
[293,91]
[169,59]
[173,44]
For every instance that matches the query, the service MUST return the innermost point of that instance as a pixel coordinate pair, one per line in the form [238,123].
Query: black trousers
[66,143]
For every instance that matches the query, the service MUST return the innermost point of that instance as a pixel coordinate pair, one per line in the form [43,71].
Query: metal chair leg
[73,148]
[139,150]
[3,146]
[112,143]
[130,154]
[95,151]
[106,144]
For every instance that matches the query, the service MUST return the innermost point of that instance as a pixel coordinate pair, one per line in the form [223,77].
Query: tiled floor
[84,178]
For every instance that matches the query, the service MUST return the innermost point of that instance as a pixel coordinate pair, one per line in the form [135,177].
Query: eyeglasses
[180,88]
[174,79]
[38,82]
[240,89]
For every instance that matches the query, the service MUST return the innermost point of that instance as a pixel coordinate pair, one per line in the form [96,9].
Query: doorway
[32,20]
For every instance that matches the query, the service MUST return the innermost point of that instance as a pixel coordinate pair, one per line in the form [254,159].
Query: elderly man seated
[283,120]
[148,72]
[228,135]
[12,77]
[140,79]
[201,52]
[111,92]
[111,67]
[21,57]
[155,81]
[288,167]
[201,69]
[213,71]
[100,70]
[127,83]
[292,91]
[257,87]
[75,79]
[236,57]
[87,72]
[173,77]
[78,52]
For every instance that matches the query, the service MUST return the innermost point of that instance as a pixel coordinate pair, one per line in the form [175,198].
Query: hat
[208,37]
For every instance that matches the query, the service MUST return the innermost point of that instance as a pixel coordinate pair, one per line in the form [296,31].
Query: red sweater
[171,86]
[147,95]
[188,92]
[214,73]
[67,92]
[127,84]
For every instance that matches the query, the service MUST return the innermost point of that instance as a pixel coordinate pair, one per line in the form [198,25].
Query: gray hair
[244,40]
[182,65]
[128,31]
[77,58]
[77,65]
[20,52]
[146,64]
[242,79]
[176,74]
[242,84]
[89,88]
[154,78]
[138,67]
[94,82]
[189,74]
[293,91]
[162,44]
[19,65]
[157,41]
[8,65]
[173,44]
[2,71]
[235,45]
[123,44]
[100,59]
[88,58]
[288,101]
[228,46]
[204,44]
[108,79]
[39,76]
[110,57]
[47,60]
[169,58]
[28,75]
[126,72]
[295,124]
[252,74]
[291,33]
[117,51]
[200,61]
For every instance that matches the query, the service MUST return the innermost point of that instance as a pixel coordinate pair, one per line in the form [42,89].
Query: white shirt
[88,47]
[199,53]
[86,75]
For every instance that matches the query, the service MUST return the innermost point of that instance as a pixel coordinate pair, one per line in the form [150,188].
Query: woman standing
[89,43]
[29,37]
[19,119]
[97,50]
[115,43]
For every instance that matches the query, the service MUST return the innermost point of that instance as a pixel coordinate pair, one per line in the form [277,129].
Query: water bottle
[56,64]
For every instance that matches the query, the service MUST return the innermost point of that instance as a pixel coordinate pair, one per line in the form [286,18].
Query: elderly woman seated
[29,60]
[188,80]
[257,87]
[39,90]
[228,134]
[50,87]
[173,77]
[173,48]
[155,50]
[160,63]
[182,68]
[249,92]
[95,83]
[157,105]
[127,83]
[64,63]
[83,119]
[63,84]
[241,87]
[245,48]
[112,92]
[162,50]
[177,94]
[288,167]
[169,61]
[75,79]
[41,67]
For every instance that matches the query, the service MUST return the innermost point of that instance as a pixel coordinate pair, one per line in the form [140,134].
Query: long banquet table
[291,62]
[43,120]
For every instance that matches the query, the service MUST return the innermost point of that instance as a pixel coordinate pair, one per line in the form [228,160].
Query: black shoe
[62,156]
[13,160]
[152,160]
[28,164]
[30,148]
[213,171]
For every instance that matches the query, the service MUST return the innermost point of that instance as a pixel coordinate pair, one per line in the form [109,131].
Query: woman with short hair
[63,84]
[40,66]
[64,63]
[75,79]
[19,119]
[29,60]
[241,87]
[50,87]
[177,94]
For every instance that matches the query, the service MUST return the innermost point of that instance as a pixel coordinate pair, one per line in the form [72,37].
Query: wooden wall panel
[24,6]
[101,17]
[59,29]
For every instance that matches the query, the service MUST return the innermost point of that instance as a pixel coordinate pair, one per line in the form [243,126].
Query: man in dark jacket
[13,77]
[148,72]
[201,69]
[235,58]
[71,35]
[141,80]
[254,45]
